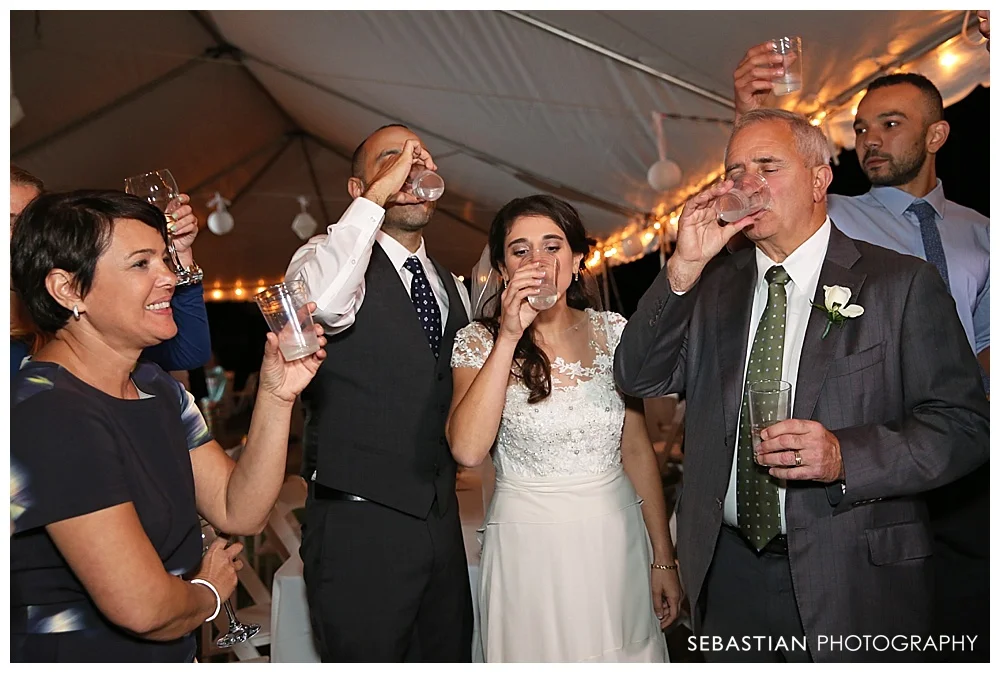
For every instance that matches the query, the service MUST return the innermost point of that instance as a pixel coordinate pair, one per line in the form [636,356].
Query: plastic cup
[285,309]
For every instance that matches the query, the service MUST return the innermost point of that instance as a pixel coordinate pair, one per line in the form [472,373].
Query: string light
[217,294]
[610,252]
[948,59]
[238,292]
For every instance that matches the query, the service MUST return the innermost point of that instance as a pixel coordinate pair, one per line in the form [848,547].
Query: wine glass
[238,632]
[160,189]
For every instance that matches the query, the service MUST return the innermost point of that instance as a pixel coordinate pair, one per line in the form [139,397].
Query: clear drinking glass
[285,309]
[749,194]
[238,631]
[160,189]
[770,402]
[790,49]
[548,291]
[426,185]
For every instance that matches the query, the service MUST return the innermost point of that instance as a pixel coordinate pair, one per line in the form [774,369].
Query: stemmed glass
[160,189]
[238,632]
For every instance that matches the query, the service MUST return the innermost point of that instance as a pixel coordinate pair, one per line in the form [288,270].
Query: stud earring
[76,311]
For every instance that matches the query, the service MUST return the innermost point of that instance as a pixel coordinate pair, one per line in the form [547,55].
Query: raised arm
[753,79]
[192,346]
[237,496]
[649,361]
[481,371]
[333,265]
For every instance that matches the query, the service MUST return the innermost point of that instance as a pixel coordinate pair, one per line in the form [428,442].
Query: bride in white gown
[568,570]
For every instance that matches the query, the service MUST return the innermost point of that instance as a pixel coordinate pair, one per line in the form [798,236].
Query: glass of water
[426,185]
[790,49]
[548,291]
[285,308]
[770,402]
[749,194]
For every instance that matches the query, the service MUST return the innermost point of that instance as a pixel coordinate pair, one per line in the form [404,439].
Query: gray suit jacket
[898,386]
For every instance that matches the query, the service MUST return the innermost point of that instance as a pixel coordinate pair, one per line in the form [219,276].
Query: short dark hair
[19,176]
[935,104]
[358,158]
[68,231]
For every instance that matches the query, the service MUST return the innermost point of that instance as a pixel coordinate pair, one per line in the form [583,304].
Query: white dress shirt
[803,267]
[333,266]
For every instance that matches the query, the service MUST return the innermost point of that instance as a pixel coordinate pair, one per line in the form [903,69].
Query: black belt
[778,544]
[321,492]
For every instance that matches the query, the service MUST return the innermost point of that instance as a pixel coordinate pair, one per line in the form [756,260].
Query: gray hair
[809,140]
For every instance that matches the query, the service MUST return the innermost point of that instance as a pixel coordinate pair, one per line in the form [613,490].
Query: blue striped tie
[933,249]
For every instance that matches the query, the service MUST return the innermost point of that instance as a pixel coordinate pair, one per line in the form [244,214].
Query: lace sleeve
[473,344]
[614,325]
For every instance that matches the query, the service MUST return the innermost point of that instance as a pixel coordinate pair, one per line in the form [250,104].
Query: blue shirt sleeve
[192,346]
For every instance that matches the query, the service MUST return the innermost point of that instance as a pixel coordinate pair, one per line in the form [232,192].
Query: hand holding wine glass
[219,566]
[224,560]
[160,190]
[182,225]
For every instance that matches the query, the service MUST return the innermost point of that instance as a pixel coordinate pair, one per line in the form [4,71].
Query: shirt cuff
[363,208]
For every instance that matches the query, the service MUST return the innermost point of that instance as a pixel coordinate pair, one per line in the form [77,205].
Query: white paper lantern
[664,175]
[304,225]
[220,222]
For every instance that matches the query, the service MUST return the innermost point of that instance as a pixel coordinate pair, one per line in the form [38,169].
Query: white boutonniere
[838,308]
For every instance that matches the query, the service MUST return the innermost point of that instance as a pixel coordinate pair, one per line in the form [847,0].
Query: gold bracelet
[660,566]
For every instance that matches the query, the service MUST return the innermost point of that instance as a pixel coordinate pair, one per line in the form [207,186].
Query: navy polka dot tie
[423,300]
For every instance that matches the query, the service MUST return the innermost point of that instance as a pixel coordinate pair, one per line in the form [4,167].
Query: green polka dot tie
[758,512]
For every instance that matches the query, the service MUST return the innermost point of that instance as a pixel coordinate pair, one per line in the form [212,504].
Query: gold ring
[798,459]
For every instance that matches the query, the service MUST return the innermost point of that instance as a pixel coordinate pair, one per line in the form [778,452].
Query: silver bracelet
[218,599]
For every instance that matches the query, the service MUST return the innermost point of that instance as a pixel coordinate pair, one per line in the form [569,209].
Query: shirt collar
[805,262]
[897,201]
[397,252]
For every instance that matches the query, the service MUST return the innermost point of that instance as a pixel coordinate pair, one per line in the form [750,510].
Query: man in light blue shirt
[899,128]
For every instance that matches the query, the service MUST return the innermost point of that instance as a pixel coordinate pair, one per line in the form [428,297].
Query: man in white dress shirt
[384,561]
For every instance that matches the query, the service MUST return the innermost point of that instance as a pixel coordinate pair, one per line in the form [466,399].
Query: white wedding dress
[565,559]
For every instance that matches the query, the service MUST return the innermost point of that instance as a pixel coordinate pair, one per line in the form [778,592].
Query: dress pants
[384,586]
[747,595]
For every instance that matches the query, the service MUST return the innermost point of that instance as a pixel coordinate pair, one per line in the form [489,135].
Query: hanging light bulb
[304,225]
[220,222]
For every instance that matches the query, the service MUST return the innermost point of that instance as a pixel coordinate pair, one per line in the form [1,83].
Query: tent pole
[135,94]
[260,172]
[521,174]
[624,60]
[315,182]
[239,162]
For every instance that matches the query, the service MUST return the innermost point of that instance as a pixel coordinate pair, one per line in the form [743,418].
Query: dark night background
[238,328]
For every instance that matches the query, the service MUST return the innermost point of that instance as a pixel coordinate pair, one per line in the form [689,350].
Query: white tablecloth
[291,633]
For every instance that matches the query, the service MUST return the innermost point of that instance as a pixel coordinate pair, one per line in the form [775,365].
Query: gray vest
[375,412]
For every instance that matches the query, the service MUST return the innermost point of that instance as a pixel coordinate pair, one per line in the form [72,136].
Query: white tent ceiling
[507,108]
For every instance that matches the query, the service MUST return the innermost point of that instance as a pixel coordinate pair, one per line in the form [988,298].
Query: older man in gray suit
[814,544]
